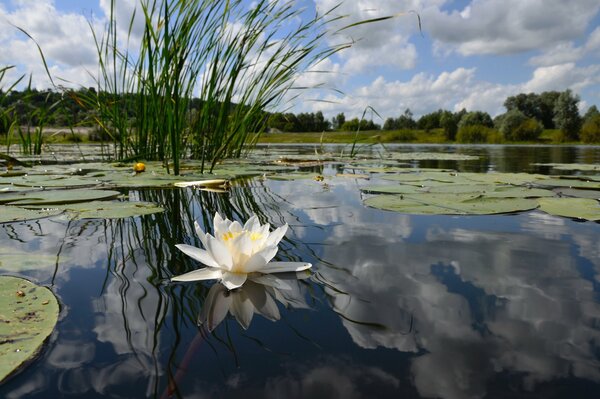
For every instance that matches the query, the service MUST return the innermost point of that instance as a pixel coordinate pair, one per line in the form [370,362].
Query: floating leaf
[580,208]
[108,209]
[28,314]
[571,183]
[56,197]
[455,204]
[571,166]
[573,192]
[16,214]
[433,156]
[293,176]
[50,181]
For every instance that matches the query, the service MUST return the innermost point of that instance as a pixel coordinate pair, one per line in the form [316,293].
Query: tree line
[526,116]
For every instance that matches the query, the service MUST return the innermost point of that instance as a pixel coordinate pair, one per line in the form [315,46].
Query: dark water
[397,306]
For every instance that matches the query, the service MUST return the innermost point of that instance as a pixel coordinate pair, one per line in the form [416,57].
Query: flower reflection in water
[259,295]
[236,253]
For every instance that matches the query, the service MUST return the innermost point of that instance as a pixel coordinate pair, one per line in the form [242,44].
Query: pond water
[395,306]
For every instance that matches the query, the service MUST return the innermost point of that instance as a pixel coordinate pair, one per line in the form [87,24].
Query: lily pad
[15,214]
[571,166]
[572,183]
[28,314]
[108,209]
[580,208]
[57,197]
[444,204]
[293,176]
[433,156]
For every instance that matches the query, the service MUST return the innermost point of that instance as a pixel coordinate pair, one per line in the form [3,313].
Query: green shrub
[494,137]
[402,135]
[473,134]
[590,131]
[476,118]
[529,130]
[509,122]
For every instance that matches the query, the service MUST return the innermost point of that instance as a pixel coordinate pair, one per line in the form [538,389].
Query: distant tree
[321,124]
[538,106]
[476,118]
[547,100]
[390,124]
[430,121]
[404,121]
[339,120]
[590,131]
[566,115]
[449,122]
[354,124]
[590,113]
[509,122]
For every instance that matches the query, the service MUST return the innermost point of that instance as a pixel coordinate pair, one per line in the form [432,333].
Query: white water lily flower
[236,251]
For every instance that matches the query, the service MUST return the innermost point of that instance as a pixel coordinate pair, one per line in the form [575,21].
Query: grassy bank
[435,136]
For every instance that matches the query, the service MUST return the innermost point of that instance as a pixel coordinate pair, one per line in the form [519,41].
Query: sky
[468,54]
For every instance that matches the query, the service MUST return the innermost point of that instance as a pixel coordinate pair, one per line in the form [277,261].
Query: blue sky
[471,53]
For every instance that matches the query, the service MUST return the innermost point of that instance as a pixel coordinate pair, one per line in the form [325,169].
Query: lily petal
[220,225]
[235,227]
[276,235]
[259,260]
[252,224]
[233,280]
[207,273]
[243,244]
[200,233]
[219,252]
[282,267]
[198,254]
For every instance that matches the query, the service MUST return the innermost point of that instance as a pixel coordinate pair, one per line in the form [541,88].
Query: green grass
[435,136]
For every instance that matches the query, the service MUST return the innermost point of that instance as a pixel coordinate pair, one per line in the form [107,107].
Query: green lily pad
[108,209]
[574,192]
[293,176]
[421,177]
[51,181]
[15,214]
[57,197]
[571,166]
[444,204]
[28,314]
[504,178]
[571,183]
[433,156]
[580,208]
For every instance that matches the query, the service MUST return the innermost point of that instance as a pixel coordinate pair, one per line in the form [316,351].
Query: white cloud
[566,52]
[509,26]
[560,77]
[65,38]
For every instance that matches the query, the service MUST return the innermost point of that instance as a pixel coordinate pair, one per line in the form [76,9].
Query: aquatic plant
[236,253]
[202,77]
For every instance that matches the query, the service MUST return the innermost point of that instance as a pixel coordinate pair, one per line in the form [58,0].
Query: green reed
[203,75]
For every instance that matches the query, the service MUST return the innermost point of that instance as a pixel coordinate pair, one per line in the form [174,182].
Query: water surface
[397,305]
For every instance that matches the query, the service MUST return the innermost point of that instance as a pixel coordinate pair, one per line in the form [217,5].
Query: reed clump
[201,75]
